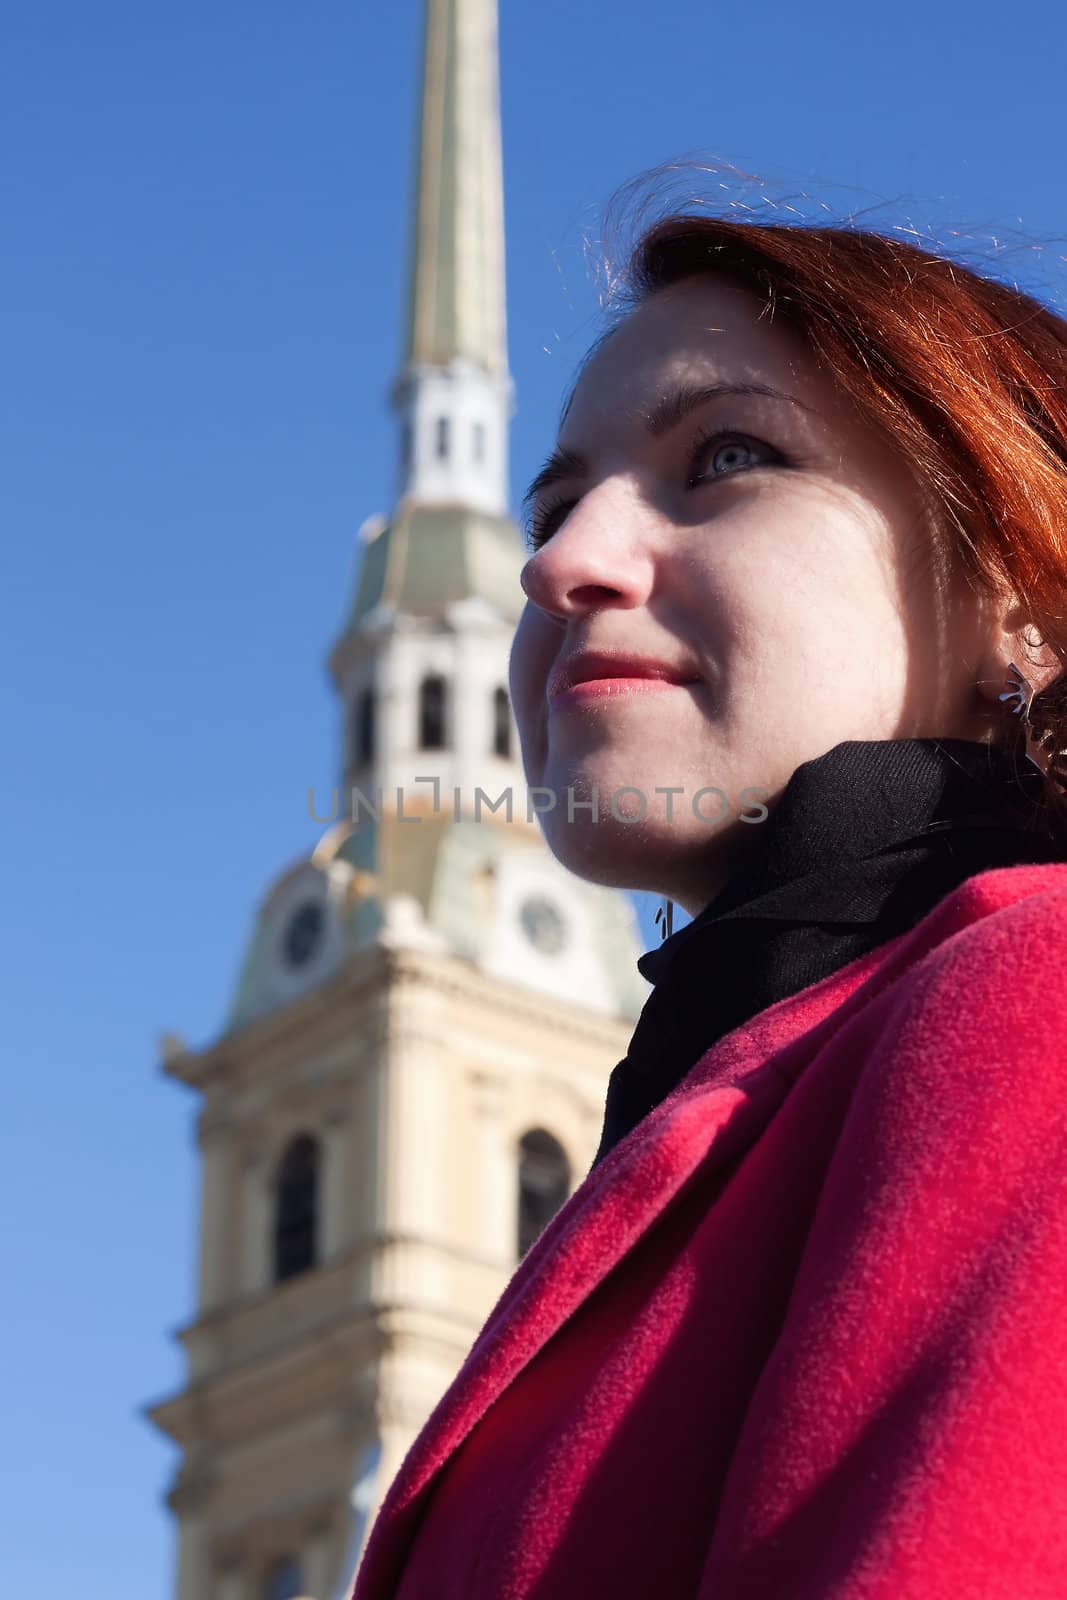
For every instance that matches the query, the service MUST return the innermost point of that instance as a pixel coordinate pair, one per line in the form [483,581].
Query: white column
[415,1147]
[192,1558]
[255,1228]
[231,1586]
[316,1567]
[336,1230]
[497,1172]
[214,1218]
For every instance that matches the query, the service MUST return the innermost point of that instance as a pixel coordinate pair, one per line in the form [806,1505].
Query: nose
[596,559]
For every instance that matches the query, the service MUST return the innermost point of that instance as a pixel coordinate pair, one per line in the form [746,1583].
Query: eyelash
[539,531]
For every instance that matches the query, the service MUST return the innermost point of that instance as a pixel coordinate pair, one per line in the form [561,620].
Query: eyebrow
[671,409]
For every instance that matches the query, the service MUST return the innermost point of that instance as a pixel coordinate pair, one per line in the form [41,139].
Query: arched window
[501,723]
[432,713]
[284,1581]
[544,1183]
[478,441]
[442,437]
[405,448]
[296,1206]
[363,728]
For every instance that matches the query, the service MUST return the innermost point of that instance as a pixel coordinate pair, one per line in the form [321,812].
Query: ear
[1013,636]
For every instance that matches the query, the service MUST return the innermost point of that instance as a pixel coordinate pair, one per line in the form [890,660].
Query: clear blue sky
[204,220]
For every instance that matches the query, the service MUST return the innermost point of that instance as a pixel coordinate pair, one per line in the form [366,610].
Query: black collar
[862,842]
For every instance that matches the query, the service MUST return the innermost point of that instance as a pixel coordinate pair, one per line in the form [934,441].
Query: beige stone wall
[418,1075]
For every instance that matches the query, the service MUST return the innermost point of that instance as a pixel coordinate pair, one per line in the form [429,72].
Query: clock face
[302,933]
[543,924]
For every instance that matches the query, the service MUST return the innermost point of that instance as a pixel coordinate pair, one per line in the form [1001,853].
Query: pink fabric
[803,1333]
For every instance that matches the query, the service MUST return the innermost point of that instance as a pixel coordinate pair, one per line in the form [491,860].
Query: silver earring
[1043,720]
[1019,692]
[666,911]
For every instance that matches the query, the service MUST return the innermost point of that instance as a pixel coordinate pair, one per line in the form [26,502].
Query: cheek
[533,651]
[808,590]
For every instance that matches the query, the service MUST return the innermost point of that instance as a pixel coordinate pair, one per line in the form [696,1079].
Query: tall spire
[453,396]
[456,274]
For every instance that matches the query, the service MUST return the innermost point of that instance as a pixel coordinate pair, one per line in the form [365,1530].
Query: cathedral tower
[411,1078]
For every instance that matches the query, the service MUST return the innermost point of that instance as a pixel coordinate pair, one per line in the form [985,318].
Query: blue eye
[735,451]
[739,452]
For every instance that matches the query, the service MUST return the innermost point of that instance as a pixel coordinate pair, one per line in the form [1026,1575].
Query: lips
[588,665]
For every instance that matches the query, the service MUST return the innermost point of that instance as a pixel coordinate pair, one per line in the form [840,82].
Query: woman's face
[770,549]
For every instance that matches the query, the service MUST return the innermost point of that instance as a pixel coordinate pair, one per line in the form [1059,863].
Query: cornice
[255,1538]
[323,1017]
[320,1011]
[544,1012]
[272,1387]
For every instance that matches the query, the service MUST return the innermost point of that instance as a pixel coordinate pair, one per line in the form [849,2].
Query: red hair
[964,374]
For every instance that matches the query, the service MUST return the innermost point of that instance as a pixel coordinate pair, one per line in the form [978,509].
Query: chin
[617,855]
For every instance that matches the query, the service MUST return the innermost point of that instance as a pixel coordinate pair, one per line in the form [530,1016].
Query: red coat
[802,1334]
